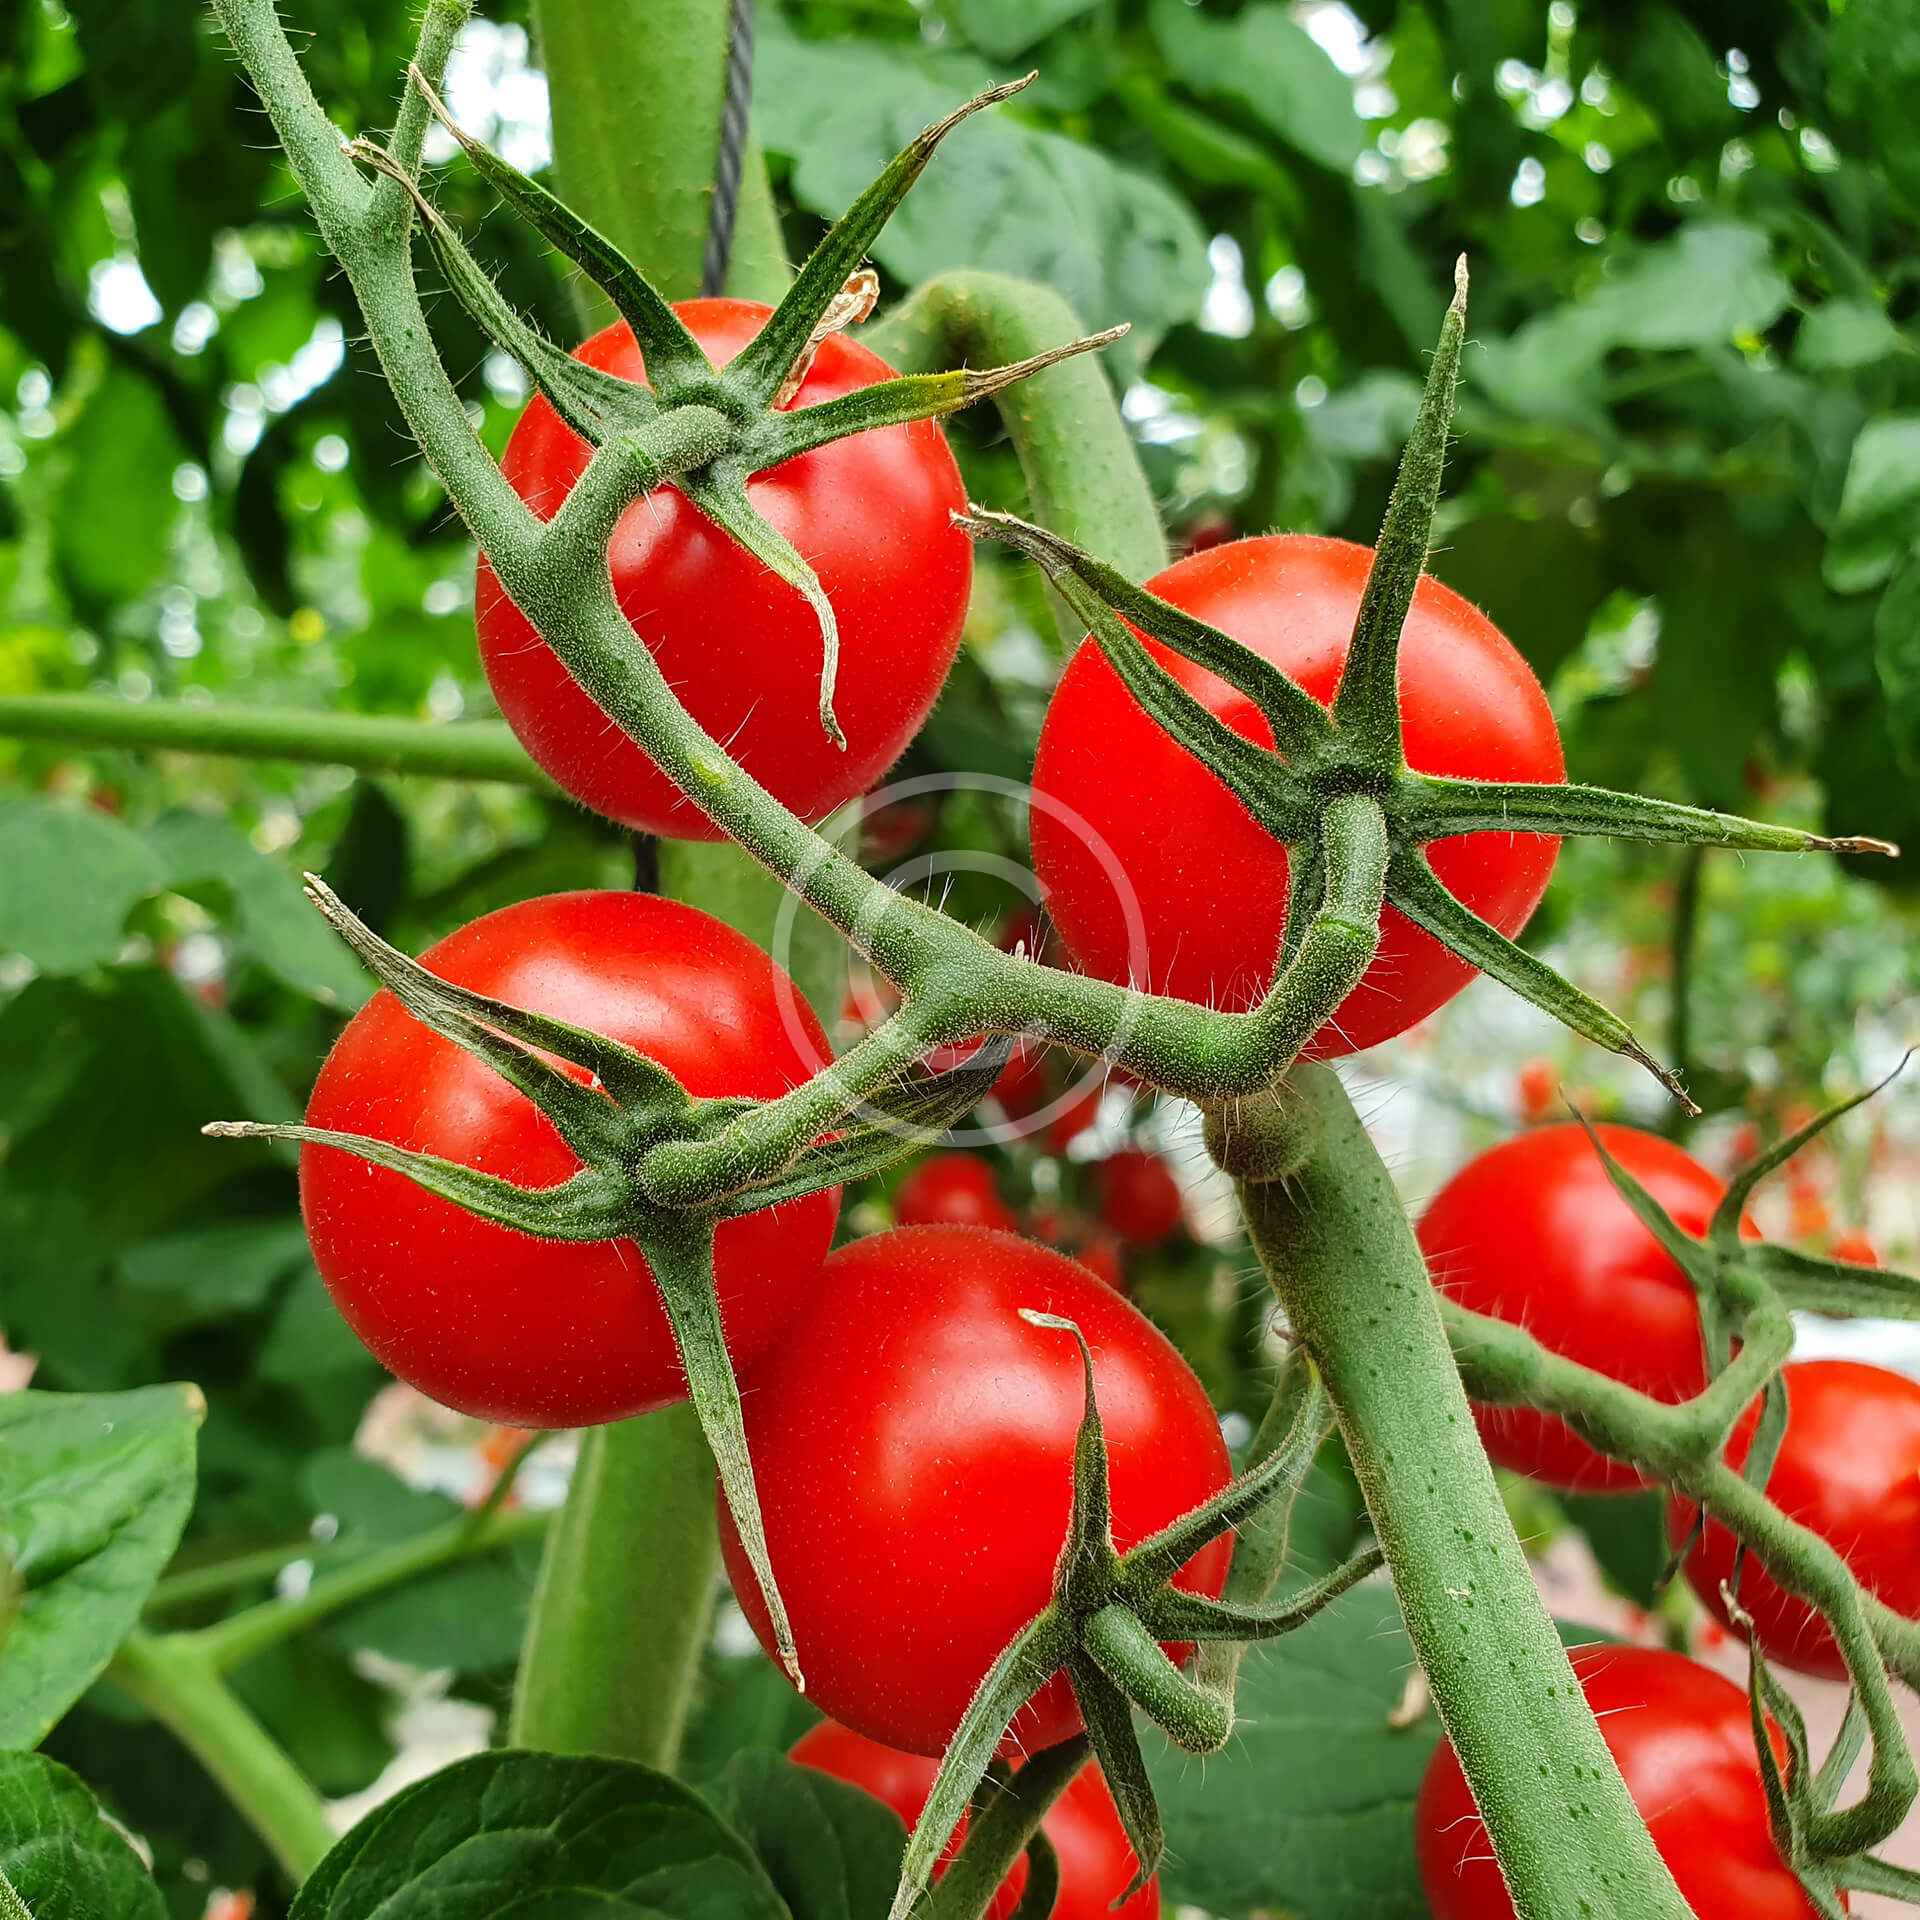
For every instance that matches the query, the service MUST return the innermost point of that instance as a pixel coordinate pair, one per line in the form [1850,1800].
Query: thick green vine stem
[1335,1243]
[181,1687]
[1084,480]
[466,750]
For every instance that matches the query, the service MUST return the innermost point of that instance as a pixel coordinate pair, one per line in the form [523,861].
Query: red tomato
[1849,1468]
[1683,1740]
[1210,884]
[1139,1198]
[1538,1087]
[739,646]
[1022,1086]
[913,1439]
[951,1190]
[1096,1859]
[1104,1257]
[1856,1246]
[549,1333]
[1533,1232]
[1080,1111]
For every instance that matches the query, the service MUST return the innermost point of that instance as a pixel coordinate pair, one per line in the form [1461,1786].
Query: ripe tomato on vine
[913,1442]
[495,1323]
[1209,884]
[1532,1231]
[740,647]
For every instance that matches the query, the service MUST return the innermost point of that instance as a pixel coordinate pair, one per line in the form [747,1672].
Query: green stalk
[626,1591]
[1083,477]
[175,1681]
[1336,1245]
[468,750]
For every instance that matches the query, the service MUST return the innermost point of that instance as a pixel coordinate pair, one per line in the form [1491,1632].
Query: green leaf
[1842,334]
[831,1849]
[1879,513]
[94,1490]
[140,53]
[1309,1809]
[117,1078]
[121,454]
[210,1273]
[73,876]
[1269,65]
[742,1703]
[1114,242]
[1628,1535]
[61,1854]
[272,918]
[1874,59]
[1005,29]
[541,1837]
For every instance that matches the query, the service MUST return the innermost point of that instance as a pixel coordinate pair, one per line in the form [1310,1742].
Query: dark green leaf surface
[831,1849]
[534,1836]
[60,1854]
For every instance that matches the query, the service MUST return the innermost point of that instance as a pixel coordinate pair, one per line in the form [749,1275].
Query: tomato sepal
[1108,1713]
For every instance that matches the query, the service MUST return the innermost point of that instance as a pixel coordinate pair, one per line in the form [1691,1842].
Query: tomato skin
[912,1441]
[739,646]
[1210,883]
[495,1323]
[1683,1739]
[1096,1861]
[1139,1198]
[1848,1468]
[952,1190]
[1533,1232]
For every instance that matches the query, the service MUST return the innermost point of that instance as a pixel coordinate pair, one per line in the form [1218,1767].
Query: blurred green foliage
[1687,484]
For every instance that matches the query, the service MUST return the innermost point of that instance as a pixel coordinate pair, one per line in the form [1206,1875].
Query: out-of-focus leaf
[370,867]
[140,53]
[1628,1535]
[61,1854]
[1114,242]
[331,1719]
[1268,64]
[272,916]
[117,1079]
[539,1831]
[1539,581]
[208,1273]
[1874,67]
[741,1704]
[94,1490]
[1896,638]
[1005,29]
[1845,333]
[115,514]
[72,877]
[1879,516]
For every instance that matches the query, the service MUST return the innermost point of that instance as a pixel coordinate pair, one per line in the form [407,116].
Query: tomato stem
[177,1683]
[1336,1245]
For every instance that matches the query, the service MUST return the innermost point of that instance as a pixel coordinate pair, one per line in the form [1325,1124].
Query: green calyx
[613,1106]
[740,414]
[1320,758]
[1748,1291]
[1104,1627]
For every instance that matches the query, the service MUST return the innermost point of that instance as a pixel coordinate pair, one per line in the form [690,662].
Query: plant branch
[175,1681]
[466,750]
[1343,1261]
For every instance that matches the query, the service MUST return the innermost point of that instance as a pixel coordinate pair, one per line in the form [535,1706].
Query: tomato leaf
[831,1849]
[1310,1808]
[94,1492]
[541,1835]
[60,927]
[60,1853]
